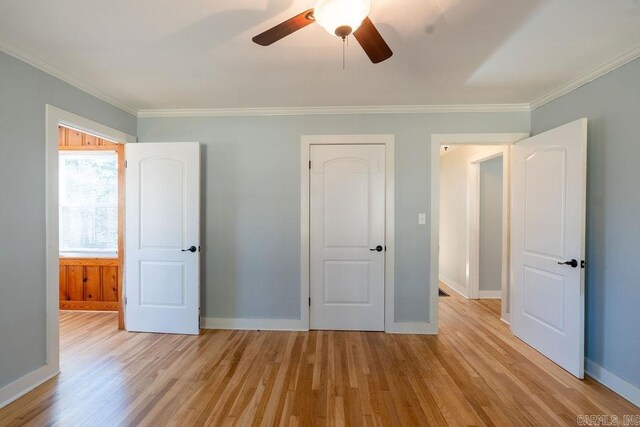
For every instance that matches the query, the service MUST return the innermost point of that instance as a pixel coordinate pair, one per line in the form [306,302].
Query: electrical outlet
[422,219]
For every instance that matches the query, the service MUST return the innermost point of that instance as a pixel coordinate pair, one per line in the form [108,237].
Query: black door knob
[377,249]
[191,249]
[573,263]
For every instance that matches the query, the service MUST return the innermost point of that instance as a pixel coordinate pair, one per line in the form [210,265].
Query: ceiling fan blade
[372,42]
[282,30]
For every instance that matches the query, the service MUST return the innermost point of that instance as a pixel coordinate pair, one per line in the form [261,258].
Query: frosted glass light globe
[341,17]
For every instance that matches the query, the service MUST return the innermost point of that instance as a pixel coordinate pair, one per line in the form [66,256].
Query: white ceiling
[167,54]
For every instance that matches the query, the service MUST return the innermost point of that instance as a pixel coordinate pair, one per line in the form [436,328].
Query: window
[89,203]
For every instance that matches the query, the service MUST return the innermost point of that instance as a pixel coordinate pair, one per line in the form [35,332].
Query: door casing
[54,117]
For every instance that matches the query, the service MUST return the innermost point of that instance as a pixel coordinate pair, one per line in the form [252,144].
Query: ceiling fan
[339,17]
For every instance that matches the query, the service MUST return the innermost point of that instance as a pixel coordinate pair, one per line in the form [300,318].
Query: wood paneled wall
[71,139]
[89,284]
[94,283]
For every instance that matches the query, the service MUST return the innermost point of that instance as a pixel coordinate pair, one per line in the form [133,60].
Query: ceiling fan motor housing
[343,31]
[341,17]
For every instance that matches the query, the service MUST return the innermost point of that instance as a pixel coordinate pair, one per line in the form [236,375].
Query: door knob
[191,249]
[377,249]
[573,263]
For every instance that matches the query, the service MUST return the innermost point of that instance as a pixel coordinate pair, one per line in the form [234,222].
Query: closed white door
[162,253]
[548,241]
[347,237]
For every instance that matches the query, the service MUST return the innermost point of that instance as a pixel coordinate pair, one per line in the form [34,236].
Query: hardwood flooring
[474,373]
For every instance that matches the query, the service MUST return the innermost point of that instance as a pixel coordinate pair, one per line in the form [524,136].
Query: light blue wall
[252,202]
[612,105]
[24,91]
[490,270]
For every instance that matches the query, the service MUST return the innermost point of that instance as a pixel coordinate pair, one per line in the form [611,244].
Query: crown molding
[611,65]
[564,89]
[66,77]
[310,111]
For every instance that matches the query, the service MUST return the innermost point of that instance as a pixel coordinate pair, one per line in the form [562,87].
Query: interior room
[91,223]
[474,222]
[321,212]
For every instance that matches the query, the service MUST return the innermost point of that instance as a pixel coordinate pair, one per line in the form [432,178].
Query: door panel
[162,190]
[545,214]
[347,220]
[543,297]
[347,282]
[346,203]
[163,222]
[548,228]
[162,284]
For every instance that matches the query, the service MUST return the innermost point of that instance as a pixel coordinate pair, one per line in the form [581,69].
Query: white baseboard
[24,385]
[506,318]
[254,324]
[414,328]
[424,328]
[612,381]
[490,294]
[461,289]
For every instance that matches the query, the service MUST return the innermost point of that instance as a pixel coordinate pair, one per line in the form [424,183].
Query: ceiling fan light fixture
[341,17]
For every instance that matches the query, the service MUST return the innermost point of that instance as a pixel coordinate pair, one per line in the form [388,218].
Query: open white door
[162,256]
[347,218]
[548,241]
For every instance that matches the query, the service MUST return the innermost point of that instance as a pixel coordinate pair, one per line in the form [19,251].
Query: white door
[548,240]
[347,237]
[162,253]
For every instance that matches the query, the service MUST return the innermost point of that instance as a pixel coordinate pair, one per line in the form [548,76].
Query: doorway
[55,118]
[91,222]
[454,142]
[474,225]
[547,238]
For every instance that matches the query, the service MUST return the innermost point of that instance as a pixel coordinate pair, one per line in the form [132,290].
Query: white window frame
[84,253]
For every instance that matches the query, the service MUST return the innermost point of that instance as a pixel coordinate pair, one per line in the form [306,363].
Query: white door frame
[437,140]
[305,157]
[473,224]
[55,117]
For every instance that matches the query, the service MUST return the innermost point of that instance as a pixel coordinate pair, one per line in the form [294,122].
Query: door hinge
[309,301]
[126,164]
[309,164]
[125,300]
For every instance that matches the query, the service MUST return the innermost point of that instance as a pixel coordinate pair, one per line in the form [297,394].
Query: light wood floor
[474,373]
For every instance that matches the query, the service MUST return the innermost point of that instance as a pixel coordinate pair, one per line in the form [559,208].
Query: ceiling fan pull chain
[344,56]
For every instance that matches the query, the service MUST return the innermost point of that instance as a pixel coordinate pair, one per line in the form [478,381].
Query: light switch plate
[422,219]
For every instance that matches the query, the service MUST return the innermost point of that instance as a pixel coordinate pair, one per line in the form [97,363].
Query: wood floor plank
[474,373]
